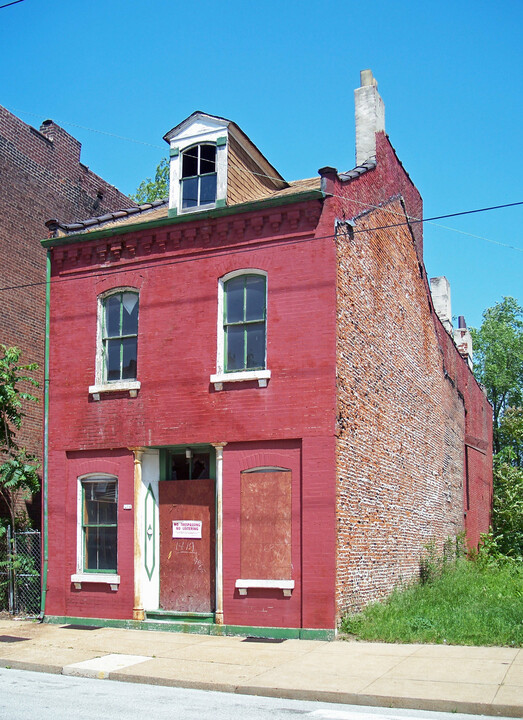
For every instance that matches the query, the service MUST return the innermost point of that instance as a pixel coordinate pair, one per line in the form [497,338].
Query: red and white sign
[187,528]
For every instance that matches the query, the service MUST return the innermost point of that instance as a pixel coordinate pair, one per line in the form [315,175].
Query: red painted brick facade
[368,405]
[41,176]
[293,417]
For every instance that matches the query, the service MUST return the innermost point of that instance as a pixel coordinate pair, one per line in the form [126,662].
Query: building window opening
[99,525]
[198,176]
[244,323]
[190,466]
[120,336]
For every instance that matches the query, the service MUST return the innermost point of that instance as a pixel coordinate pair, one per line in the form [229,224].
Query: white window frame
[80,576]
[221,377]
[101,385]
[198,176]
[179,145]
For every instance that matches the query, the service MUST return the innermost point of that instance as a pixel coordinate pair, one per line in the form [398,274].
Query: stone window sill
[101,578]
[130,386]
[220,379]
[287,586]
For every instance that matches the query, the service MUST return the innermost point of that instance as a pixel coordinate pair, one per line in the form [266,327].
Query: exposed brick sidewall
[401,423]
[477,488]
[41,177]
[387,179]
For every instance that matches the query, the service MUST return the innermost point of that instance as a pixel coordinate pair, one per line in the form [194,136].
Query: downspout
[46,437]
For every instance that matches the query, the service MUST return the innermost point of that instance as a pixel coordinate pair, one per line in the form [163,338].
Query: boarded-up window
[265,524]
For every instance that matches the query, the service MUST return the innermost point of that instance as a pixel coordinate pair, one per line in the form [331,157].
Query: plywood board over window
[265,524]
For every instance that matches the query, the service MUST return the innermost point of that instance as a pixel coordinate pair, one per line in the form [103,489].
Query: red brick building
[257,421]
[41,176]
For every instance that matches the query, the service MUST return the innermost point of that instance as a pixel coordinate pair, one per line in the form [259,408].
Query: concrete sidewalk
[478,680]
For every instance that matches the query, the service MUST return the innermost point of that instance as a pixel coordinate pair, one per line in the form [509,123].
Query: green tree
[507,506]
[150,190]
[498,359]
[18,469]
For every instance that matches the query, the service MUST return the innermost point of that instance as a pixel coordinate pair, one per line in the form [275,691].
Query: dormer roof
[227,169]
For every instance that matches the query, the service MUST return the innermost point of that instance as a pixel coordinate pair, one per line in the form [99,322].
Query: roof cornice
[253,206]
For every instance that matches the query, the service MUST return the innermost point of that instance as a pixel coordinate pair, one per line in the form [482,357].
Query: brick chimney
[66,145]
[463,340]
[370,116]
[440,291]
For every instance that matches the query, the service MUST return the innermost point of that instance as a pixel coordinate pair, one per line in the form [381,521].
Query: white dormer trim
[199,128]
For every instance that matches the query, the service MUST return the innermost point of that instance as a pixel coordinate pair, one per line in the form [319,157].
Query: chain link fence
[20,585]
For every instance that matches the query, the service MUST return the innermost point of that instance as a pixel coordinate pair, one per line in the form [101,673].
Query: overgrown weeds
[457,601]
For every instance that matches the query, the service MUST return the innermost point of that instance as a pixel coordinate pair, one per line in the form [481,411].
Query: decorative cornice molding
[205,235]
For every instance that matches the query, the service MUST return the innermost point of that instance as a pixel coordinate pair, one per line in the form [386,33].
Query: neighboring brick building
[41,176]
[257,419]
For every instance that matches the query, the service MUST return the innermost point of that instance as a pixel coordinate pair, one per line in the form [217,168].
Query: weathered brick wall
[477,488]
[245,180]
[400,421]
[41,177]
[376,186]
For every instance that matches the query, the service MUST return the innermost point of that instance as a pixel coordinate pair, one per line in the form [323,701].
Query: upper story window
[244,322]
[242,329]
[120,336]
[198,178]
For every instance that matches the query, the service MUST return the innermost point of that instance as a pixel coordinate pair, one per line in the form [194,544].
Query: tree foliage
[150,190]
[507,507]
[498,365]
[498,359]
[18,468]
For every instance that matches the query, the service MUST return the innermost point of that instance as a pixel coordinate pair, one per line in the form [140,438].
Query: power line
[292,241]
[83,127]
[15,2]
[412,219]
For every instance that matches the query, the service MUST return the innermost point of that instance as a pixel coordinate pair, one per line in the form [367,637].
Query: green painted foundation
[193,626]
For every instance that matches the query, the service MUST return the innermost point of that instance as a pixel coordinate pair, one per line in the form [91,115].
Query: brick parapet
[374,187]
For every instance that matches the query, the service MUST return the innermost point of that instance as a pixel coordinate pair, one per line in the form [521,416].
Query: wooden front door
[187,545]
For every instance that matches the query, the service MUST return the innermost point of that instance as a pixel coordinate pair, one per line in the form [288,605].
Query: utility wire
[292,241]
[15,2]
[412,219]
[83,127]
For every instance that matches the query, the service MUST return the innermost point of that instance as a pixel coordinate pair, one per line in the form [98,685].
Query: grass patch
[467,603]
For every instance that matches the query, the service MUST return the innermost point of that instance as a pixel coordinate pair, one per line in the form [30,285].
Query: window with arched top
[244,322]
[117,342]
[242,328]
[98,547]
[266,523]
[198,176]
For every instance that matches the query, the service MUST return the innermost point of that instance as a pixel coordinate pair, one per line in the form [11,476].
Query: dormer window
[198,181]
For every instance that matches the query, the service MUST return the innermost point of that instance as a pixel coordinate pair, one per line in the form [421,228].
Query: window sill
[222,378]
[101,578]
[287,586]
[130,386]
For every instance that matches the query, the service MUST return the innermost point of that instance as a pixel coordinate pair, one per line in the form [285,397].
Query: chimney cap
[367,78]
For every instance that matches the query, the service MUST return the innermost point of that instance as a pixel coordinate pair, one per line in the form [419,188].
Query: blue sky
[450,74]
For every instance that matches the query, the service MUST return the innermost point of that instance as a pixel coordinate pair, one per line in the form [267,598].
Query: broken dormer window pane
[198,184]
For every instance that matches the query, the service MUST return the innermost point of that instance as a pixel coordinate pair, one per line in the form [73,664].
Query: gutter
[265,203]
[45,510]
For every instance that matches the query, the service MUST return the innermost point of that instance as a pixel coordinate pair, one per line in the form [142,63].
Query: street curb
[331,696]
